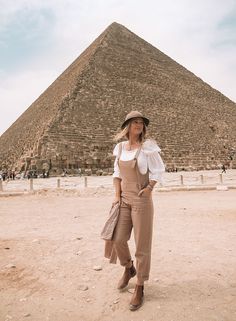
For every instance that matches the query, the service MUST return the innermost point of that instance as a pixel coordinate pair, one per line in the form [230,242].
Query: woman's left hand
[145,191]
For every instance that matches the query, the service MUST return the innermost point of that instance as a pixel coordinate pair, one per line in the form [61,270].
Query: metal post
[1,188]
[31,184]
[221,179]
[181,180]
[58,183]
[85,181]
[202,179]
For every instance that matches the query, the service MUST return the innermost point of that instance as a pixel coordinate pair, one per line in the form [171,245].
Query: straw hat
[134,114]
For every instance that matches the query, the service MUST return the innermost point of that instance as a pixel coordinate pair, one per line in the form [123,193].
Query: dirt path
[49,245]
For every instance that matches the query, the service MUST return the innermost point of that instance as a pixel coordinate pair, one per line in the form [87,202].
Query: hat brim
[146,121]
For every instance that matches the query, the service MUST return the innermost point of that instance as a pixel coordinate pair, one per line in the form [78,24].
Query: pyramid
[72,124]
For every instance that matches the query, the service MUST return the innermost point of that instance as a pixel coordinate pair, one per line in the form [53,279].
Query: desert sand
[50,244]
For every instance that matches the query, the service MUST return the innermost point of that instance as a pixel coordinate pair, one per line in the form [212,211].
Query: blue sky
[24,36]
[39,39]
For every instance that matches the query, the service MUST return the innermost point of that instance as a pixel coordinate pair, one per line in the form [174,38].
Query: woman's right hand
[116,200]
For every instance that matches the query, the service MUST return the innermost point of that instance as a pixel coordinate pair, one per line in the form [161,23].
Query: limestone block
[88,171]
[99,172]
[89,161]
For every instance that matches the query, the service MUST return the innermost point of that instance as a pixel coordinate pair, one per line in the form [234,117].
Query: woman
[137,168]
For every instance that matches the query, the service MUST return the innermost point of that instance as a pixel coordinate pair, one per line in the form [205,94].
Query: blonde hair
[124,133]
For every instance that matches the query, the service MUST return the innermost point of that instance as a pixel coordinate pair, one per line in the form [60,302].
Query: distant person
[138,166]
[64,173]
[223,169]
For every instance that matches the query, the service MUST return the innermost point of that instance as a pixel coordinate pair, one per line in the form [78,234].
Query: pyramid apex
[115,29]
[115,26]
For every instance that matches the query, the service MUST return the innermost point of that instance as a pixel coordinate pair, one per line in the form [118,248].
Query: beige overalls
[135,212]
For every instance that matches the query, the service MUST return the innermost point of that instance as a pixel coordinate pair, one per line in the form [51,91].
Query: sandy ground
[49,245]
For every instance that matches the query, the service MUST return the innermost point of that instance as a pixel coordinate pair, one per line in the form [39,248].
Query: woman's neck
[134,140]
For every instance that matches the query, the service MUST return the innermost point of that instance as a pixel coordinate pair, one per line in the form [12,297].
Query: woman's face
[136,126]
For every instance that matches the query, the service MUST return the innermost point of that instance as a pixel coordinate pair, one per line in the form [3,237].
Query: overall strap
[136,166]
[136,157]
[137,153]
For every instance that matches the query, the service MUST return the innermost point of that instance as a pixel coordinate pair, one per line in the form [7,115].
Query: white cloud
[191,32]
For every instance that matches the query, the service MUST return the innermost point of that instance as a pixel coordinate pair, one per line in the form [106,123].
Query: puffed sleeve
[155,163]
[116,172]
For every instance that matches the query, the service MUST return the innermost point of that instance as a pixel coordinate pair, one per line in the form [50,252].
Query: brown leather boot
[137,298]
[128,274]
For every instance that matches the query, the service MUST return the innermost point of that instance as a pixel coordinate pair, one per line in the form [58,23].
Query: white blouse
[149,159]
